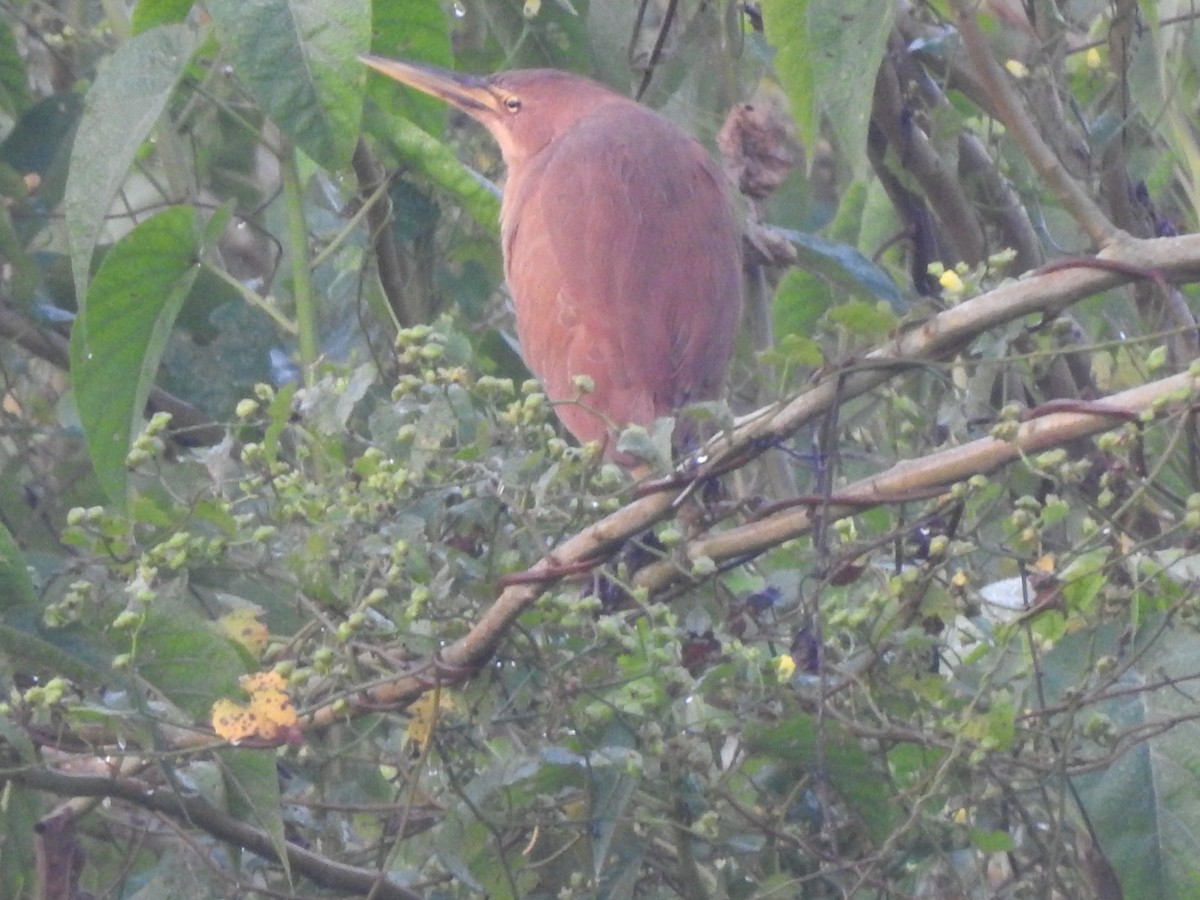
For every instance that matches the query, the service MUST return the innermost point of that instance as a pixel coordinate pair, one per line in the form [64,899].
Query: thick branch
[197,811]
[928,474]
[1172,258]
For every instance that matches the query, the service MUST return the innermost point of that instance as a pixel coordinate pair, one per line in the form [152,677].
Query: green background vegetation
[937,639]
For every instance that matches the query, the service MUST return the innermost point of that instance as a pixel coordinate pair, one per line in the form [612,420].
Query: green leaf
[869,320]
[841,30]
[40,143]
[119,336]
[16,587]
[122,107]
[14,89]
[149,14]
[436,161]
[22,808]
[799,304]
[182,656]
[298,58]
[1145,804]
[25,641]
[415,30]
[847,766]
[252,788]
[992,841]
[786,25]
[813,40]
[845,267]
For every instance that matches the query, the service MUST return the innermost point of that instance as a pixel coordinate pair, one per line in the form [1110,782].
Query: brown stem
[197,811]
[388,262]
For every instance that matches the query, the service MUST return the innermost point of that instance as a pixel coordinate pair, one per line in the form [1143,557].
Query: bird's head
[524,109]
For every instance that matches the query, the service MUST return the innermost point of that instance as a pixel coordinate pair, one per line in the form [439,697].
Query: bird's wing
[624,261]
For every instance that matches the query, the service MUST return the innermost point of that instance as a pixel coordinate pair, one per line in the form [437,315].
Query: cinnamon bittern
[621,248]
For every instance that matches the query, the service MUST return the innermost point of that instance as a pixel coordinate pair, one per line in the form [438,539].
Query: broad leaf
[40,143]
[298,58]
[184,657]
[24,640]
[848,768]
[814,39]
[122,107]
[22,808]
[118,339]
[786,26]
[252,788]
[16,587]
[1144,806]
[414,30]
[838,31]
[148,14]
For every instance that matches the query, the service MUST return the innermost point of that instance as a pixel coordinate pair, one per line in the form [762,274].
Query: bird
[621,246]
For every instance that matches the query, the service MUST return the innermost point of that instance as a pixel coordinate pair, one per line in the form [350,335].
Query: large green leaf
[252,789]
[838,31]
[785,23]
[1145,806]
[298,58]
[182,656]
[25,641]
[845,267]
[415,30]
[22,808]
[118,339]
[122,107]
[149,14]
[814,40]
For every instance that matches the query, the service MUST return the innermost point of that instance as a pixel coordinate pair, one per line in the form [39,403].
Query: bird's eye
[513,104]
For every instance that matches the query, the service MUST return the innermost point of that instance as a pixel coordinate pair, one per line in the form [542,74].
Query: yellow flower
[1017,69]
[951,282]
[785,668]
[270,716]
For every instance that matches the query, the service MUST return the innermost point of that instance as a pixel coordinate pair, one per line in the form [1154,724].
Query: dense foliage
[303,594]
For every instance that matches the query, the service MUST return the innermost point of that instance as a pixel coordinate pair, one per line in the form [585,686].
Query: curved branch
[1170,258]
[928,475]
[197,811]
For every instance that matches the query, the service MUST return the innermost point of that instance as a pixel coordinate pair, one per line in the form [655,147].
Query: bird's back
[623,256]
